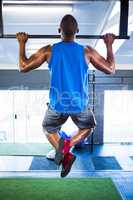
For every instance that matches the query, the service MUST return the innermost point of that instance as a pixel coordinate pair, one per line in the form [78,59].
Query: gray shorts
[53,120]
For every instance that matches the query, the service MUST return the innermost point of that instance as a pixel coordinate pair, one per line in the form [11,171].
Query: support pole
[1,20]
[124,9]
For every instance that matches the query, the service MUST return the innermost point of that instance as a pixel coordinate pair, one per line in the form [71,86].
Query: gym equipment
[10,36]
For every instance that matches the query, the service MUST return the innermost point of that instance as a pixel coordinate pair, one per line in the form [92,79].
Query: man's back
[69,77]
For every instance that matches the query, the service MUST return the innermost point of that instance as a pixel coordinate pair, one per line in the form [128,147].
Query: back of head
[69,25]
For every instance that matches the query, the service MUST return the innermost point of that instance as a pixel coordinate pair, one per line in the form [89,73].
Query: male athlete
[68,65]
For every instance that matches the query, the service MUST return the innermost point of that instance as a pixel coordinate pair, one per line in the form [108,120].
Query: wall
[122,80]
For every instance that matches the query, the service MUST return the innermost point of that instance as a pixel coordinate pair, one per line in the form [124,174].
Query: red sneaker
[64,147]
[67,162]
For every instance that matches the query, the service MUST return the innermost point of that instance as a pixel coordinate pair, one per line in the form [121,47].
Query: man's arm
[35,60]
[99,62]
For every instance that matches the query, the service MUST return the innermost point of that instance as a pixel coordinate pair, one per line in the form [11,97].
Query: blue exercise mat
[106,163]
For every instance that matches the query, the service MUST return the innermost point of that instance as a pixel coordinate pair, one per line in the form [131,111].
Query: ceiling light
[47,9]
[45,2]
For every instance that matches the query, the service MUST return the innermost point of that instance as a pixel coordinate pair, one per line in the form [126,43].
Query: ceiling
[94,17]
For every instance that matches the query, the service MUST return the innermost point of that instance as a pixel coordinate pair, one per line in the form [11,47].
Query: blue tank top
[69,78]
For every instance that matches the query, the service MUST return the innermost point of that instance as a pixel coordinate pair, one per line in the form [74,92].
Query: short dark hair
[69,25]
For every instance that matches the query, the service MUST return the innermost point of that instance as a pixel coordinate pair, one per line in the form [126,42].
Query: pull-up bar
[123,27]
[11,36]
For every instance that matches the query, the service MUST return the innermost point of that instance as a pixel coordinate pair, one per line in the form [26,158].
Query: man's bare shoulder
[46,48]
[88,52]
[88,49]
[45,51]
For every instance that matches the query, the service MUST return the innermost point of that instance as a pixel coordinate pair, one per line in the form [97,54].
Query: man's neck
[66,39]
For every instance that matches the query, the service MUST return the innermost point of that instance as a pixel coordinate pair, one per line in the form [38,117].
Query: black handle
[15,116]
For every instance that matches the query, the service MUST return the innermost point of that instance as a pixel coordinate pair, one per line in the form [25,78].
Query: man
[68,65]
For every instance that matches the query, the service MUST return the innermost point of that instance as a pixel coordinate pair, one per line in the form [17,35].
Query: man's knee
[49,129]
[44,127]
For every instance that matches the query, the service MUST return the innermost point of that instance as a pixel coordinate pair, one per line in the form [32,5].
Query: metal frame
[124,9]
[1,20]
[56,1]
[123,28]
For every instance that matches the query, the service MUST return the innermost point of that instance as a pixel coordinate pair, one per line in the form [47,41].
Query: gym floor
[115,161]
